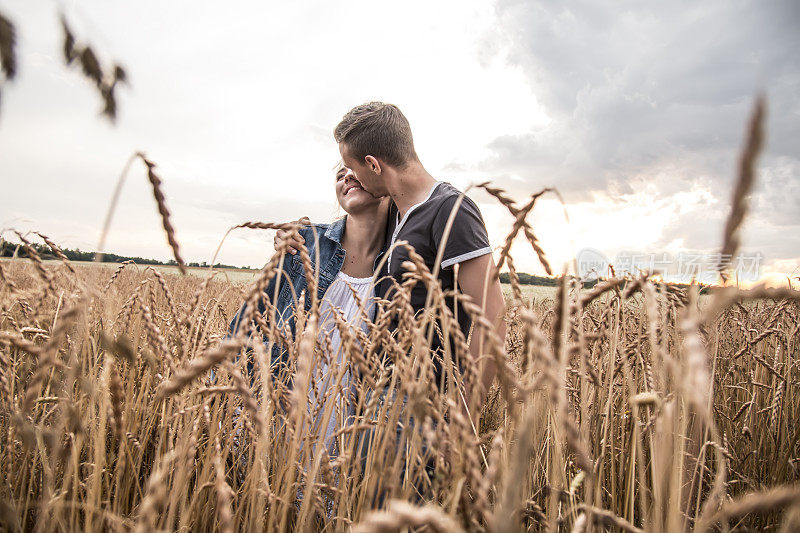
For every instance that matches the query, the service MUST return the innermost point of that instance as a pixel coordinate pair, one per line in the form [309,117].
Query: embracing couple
[389,197]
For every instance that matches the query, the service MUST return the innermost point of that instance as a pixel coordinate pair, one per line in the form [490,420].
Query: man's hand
[294,244]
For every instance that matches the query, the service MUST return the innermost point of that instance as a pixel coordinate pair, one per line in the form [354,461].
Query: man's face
[370,181]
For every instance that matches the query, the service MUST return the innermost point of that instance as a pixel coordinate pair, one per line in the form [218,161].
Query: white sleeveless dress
[339,299]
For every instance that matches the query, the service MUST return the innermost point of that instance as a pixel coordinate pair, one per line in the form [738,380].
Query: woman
[347,252]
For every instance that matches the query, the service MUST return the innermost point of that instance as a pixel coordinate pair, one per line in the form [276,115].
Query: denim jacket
[292,282]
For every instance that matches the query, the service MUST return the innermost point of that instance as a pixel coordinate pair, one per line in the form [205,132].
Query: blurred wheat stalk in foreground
[629,406]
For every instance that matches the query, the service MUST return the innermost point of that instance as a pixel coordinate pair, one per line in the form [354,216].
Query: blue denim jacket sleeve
[269,292]
[233,327]
[286,279]
[290,282]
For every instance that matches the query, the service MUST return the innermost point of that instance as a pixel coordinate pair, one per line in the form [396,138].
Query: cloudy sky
[634,111]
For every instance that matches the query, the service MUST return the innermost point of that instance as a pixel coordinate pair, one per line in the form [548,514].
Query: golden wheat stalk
[197,367]
[758,502]
[56,250]
[608,519]
[744,183]
[7,280]
[400,515]
[161,201]
[33,255]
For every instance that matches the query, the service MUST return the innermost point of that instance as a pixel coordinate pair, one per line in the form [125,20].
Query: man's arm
[472,278]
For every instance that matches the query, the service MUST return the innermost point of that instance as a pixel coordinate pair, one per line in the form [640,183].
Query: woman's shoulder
[310,229]
[332,231]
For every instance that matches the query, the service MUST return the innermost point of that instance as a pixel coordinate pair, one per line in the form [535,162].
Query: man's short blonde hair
[377,129]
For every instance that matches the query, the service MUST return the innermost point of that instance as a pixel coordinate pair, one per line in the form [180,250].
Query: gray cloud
[641,89]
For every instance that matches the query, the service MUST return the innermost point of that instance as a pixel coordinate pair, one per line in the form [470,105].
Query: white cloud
[655,97]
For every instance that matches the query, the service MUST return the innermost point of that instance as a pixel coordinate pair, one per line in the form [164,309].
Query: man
[375,142]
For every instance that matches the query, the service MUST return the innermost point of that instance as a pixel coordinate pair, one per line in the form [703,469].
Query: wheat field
[626,407]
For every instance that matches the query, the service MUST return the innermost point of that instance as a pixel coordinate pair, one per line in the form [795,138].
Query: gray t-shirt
[423,228]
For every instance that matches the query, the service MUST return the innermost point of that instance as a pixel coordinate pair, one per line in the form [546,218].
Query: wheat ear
[747,174]
[197,367]
[155,181]
[400,515]
[8,43]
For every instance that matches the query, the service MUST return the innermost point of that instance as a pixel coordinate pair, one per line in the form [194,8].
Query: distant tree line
[542,281]
[9,249]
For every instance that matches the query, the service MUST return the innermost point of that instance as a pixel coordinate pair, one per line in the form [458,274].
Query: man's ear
[373,164]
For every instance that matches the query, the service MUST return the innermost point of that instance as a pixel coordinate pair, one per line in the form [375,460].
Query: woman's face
[351,196]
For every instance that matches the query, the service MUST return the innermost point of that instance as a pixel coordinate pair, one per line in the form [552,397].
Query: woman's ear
[373,164]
